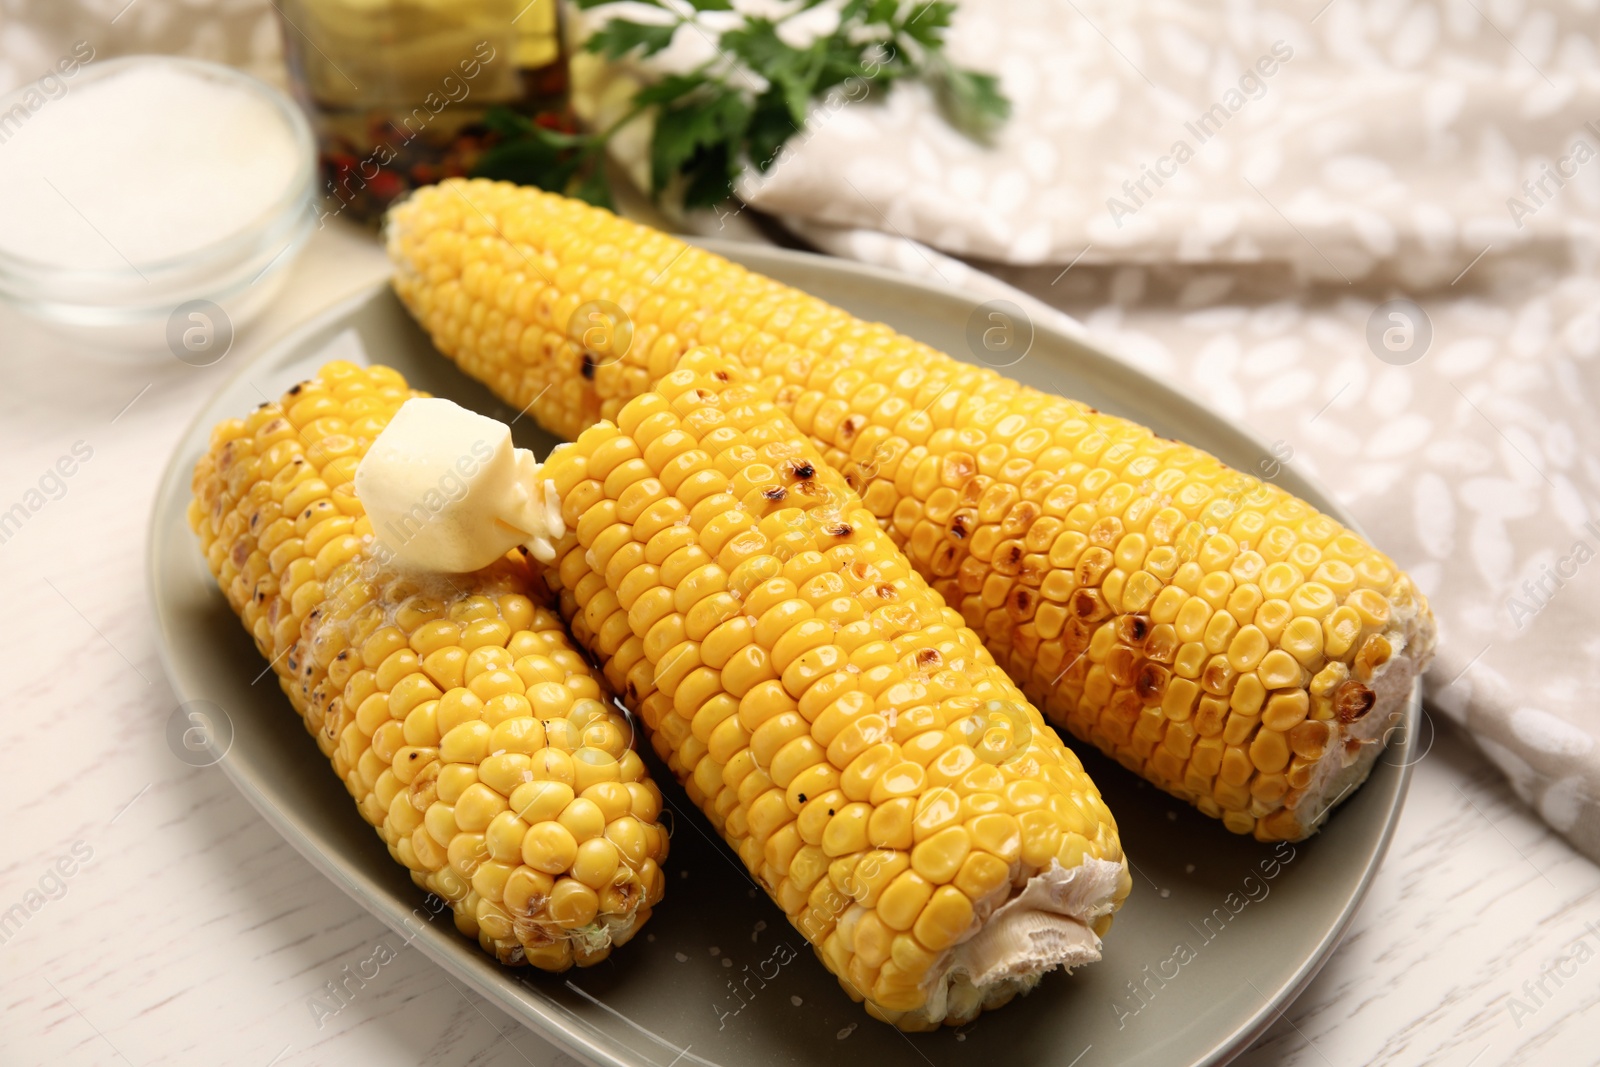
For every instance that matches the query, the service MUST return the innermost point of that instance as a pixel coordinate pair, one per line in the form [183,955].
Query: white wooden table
[188,932]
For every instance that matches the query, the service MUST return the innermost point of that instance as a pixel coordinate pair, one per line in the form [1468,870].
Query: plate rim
[443,946]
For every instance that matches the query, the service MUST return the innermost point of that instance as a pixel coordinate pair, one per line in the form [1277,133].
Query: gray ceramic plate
[1219,936]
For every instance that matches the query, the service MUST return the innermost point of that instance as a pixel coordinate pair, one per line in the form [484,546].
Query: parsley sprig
[740,107]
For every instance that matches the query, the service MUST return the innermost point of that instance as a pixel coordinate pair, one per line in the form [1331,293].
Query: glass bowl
[149,308]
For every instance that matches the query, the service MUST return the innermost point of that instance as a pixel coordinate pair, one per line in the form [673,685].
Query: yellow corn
[876,771]
[1208,630]
[471,733]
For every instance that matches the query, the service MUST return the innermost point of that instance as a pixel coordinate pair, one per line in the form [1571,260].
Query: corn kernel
[1285,710]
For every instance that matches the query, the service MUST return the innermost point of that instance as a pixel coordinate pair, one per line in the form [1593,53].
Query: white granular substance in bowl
[142,165]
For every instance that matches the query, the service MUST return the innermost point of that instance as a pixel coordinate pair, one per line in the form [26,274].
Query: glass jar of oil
[397,90]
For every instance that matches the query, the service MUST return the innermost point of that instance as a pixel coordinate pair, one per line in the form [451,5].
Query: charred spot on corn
[1151,682]
[1133,629]
[1352,700]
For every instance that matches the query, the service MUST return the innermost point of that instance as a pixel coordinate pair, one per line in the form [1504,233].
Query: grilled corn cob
[876,771]
[471,733]
[1206,629]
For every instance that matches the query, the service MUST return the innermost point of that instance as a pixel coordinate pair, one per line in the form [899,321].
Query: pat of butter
[446,490]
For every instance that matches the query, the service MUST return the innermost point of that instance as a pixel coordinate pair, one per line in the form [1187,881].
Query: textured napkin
[1226,194]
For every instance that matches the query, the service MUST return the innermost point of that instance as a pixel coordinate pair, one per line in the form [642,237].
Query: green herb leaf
[971,102]
[669,89]
[527,162]
[594,188]
[881,12]
[710,175]
[512,126]
[619,37]
[507,123]
[927,22]
[758,44]
[713,121]
[771,126]
[693,131]
[558,139]
[794,71]
[531,154]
